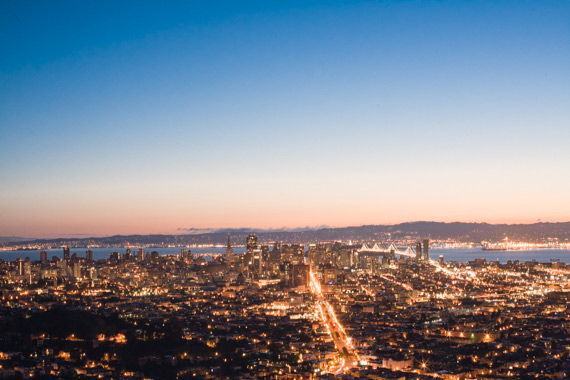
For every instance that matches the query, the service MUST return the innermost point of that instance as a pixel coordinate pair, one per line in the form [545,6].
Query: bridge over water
[389,251]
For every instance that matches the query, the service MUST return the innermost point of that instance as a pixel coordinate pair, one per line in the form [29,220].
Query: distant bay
[464,255]
[103,253]
[450,254]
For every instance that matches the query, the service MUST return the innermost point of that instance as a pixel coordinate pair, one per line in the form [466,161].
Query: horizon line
[204,231]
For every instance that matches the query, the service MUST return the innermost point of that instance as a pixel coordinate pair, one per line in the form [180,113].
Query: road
[348,355]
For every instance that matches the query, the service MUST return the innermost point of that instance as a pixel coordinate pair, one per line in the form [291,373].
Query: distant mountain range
[8,239]
[457,231]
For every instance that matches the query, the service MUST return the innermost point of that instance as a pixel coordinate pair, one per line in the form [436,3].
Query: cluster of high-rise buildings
[283,311]
[286,262]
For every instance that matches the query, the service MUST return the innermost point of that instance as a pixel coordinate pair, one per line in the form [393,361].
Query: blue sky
[122,117]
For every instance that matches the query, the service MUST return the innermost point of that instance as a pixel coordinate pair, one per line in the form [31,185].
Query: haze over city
[129,117]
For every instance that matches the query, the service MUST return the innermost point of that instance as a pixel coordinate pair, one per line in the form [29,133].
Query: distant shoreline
[457,254]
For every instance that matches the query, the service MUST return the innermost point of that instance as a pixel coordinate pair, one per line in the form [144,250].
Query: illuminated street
[348,355]
[284,190]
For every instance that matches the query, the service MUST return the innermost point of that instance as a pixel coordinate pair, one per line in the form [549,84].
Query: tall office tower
[441,260]
[43,257]
[299,253]
[140,254]
[251,242]
[116,256]
[418,250]
[28,269]
[277,246]
[426,249]
[229,250]
[128,254]
[316,253]
[372,264]
[265,251]
[257,261]
[287,253]
[275,254]
[66,253]
[154,256]
[337,245]
[20,266]
[76,270]
[335,253]
[343,259]
[246,260]
[300,275]
[89,255]
[285,272]
[183,254]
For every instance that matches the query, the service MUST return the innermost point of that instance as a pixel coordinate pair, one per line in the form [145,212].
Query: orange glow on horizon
[90,228]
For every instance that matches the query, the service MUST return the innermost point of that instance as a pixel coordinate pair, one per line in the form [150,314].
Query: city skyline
[286,311]
[135,118]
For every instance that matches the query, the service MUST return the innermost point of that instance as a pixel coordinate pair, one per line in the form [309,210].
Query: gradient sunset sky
[124,117]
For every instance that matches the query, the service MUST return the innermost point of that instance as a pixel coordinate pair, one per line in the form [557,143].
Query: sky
[120,117]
